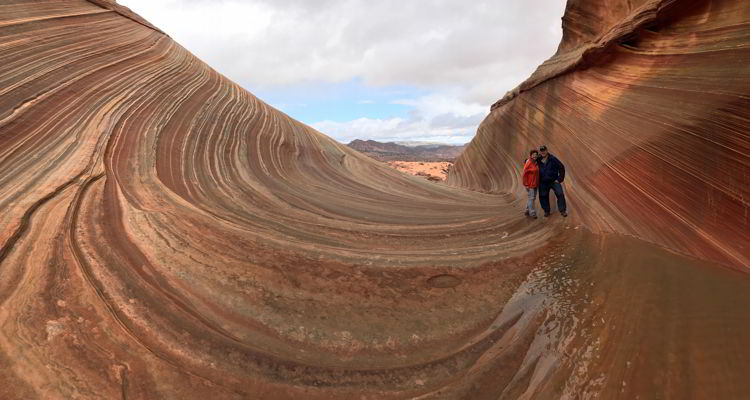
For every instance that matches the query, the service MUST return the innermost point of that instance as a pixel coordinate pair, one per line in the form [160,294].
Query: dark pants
[544,189]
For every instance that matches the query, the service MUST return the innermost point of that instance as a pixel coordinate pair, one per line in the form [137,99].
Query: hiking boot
[546,214]
[526,213]
[564,213]
[533,216]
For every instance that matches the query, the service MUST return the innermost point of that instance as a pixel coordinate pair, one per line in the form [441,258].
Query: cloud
[433,118]
[393,130]
[484,47]
[438,104]
[464,55]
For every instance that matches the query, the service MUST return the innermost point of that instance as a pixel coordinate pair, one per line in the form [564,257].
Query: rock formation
[166,235]
[647,104]
[398,152]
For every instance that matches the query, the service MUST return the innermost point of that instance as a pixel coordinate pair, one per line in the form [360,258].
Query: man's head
[543,150]
[533,154]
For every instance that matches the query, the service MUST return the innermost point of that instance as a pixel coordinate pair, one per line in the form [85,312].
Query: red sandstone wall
[652,126]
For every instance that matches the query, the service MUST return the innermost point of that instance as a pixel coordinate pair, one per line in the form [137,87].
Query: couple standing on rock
[541,173]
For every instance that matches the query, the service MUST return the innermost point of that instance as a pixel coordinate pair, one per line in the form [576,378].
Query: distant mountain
[414,151]
[425,144]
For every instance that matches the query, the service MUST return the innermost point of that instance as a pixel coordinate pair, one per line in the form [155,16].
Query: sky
[387,70]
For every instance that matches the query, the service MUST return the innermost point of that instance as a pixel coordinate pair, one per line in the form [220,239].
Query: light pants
[530,207]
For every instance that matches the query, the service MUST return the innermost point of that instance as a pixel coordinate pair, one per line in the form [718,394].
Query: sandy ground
[427,170]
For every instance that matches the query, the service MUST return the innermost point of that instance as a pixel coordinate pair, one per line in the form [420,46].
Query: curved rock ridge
[166,235]
[646,103]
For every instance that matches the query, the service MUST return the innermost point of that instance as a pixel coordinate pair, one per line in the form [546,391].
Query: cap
[542,147]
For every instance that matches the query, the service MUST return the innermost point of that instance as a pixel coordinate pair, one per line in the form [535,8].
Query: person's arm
[561,174]
[525,172]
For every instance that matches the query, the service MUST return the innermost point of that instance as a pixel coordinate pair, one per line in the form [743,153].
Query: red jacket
[531,174]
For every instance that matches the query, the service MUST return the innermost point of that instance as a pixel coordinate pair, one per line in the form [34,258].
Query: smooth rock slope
[166,235]
[647,104]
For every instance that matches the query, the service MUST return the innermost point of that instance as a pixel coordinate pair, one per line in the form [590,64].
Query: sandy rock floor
[428,170]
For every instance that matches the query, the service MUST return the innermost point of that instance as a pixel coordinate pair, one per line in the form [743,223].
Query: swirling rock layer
[165,234]
[647,104]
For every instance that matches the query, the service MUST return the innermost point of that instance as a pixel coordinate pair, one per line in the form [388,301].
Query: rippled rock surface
[647,104]
[167,235]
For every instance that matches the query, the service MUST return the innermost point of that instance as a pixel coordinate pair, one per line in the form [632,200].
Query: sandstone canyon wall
[646,102]
[166,235]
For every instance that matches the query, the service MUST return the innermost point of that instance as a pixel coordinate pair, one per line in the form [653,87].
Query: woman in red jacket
[531,182]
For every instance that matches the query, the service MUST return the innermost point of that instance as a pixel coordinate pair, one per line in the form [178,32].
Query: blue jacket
[551,171]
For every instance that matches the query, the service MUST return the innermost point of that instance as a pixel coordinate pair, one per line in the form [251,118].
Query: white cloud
[483,47]
[466,55]
[439,104]
[433,118]
[393,130]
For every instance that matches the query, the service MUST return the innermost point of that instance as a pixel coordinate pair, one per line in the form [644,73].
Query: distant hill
[407,151]
[424,144]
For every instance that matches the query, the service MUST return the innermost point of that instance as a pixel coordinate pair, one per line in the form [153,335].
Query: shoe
[546,215]
[526,213]
[564,214]
[533,216]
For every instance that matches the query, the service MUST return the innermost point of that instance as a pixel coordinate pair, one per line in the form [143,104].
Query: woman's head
[533,154]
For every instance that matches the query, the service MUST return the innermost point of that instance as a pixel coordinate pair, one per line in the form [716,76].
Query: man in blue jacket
[551,175]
